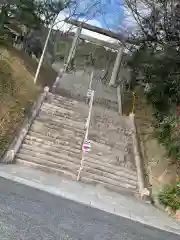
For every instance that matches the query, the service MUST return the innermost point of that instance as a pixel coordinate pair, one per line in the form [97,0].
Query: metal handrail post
[86,133]
[89,115]
[90,86]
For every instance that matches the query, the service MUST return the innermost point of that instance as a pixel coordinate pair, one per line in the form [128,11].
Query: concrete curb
[92,196]
[9,156]
[144,192]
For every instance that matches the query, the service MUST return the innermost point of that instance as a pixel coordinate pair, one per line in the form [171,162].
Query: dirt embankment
[17,90]
[159,170]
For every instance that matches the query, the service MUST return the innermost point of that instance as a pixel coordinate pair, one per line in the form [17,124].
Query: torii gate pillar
[73,47]
[116,66]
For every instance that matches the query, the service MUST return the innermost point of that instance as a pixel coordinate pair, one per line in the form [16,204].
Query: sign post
[86,147]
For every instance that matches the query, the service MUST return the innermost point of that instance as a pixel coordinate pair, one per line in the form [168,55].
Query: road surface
[27,213]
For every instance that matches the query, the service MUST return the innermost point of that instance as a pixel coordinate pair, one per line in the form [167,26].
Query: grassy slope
[47,74]
[17,91]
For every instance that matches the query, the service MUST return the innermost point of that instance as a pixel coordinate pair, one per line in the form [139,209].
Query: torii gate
[104,32]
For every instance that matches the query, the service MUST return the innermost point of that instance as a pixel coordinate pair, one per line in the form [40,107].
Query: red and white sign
[86,146]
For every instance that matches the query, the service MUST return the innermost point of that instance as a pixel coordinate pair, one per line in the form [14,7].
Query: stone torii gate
[78,35]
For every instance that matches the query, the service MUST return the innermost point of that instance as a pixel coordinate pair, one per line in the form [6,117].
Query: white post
[91,79]
[116,66]
[73,47]
[119,96]
[42,55]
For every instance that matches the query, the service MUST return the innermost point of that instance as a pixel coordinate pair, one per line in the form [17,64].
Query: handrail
[86,132]
[89,114]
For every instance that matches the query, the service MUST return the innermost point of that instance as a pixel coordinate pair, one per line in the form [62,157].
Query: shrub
[170,196]
[168,133]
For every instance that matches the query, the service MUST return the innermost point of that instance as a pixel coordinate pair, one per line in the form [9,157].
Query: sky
[107,14]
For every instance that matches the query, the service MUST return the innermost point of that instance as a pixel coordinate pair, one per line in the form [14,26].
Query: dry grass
[47,75]
[17,93]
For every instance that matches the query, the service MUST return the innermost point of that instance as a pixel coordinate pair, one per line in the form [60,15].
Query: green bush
[168,133]
[170,196]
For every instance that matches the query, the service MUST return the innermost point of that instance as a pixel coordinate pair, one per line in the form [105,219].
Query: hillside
[159,169]
[17,90]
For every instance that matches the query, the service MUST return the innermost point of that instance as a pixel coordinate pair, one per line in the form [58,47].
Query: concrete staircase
[54,144]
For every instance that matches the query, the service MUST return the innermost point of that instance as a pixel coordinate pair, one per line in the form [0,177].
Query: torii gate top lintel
[81,25]
[99,30]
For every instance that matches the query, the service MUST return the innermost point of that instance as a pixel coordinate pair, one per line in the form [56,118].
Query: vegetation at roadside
[170,196]
[155,62]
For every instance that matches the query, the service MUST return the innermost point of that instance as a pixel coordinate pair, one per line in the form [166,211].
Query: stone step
[63,99]
[53,152]
[102,115]
[107,180]
[59,127]
[51,157]
[55,108]
[119,126]
[49,115]
[111,168]
[111,157]
[106,130]
[62,112]
[106,141]
[64,157]
[81,108]
[67,106]
[122,190]
[109,140]
[62,145]
[69,103]
[98,150]
[67,109]
[47,169]
[75,142]
[59,121]
[49,130]
[104,176]
[67,144]
[46,161]
[72,176]
[74,150]
[42,159]
[102,149]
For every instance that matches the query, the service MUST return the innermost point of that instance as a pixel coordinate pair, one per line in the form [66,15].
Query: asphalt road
[27,213]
